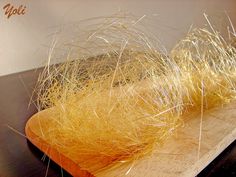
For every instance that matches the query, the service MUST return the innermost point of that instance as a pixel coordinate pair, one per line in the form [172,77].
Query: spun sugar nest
[118,105]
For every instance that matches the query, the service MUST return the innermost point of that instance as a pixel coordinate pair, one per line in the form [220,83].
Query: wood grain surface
[181,155]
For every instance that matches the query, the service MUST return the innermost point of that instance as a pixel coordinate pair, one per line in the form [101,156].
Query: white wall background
[24,39]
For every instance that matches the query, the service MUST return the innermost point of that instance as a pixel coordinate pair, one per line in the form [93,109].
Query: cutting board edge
[211,155]
[64,162]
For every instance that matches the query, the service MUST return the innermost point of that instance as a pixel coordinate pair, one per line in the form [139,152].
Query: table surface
[19,158]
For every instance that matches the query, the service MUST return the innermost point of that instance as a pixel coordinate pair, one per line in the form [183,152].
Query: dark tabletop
[19,158]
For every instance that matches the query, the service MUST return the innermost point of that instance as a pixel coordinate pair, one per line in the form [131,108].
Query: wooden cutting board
[179,156]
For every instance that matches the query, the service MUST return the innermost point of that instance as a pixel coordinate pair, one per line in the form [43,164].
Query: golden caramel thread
[120,103]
